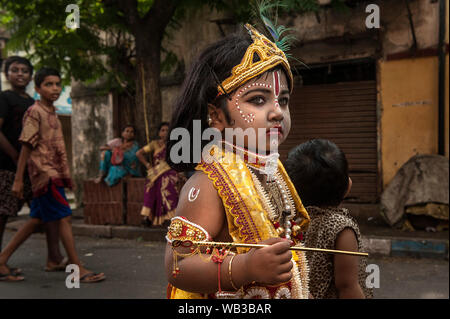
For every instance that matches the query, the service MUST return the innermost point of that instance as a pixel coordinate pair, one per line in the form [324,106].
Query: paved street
[135,270]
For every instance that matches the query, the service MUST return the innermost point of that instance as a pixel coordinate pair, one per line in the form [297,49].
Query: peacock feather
[265,14]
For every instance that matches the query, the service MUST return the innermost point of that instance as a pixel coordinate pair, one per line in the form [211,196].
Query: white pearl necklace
[288,208]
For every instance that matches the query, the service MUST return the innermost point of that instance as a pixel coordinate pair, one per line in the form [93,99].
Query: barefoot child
[239,193]
[319,171]
[43,150]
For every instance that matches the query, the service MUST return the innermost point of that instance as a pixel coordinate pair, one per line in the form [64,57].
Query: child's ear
[350,183]
[216,117]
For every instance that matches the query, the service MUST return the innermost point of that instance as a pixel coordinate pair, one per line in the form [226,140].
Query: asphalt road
[135,270]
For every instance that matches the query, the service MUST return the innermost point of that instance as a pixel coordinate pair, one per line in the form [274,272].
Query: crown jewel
[269,56]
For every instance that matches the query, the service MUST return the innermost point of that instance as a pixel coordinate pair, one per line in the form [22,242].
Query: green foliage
[339,5]
[144,6]
[102,47]
[169,61]
[302,5]
[39,28]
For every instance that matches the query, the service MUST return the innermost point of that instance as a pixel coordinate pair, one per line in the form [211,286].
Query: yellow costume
[254,213]
[249,220]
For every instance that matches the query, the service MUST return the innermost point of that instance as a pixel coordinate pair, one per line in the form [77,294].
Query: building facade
[377,88]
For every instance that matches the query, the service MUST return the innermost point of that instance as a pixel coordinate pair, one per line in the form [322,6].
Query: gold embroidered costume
[254,212]
[249,221]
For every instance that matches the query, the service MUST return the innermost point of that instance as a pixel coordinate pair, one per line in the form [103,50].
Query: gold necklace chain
[273,207]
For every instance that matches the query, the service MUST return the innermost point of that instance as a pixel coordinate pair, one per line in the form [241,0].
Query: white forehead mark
[276,86]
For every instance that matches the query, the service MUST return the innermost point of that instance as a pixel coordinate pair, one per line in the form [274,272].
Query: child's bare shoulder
[200,203]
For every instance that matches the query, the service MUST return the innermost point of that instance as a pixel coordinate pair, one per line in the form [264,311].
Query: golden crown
[269,56]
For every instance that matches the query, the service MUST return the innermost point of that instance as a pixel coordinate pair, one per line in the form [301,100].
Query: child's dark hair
[319,171]
[41,74]
[17,59]
[199,88]
[162,124]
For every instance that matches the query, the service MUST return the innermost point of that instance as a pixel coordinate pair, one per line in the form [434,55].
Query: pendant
[271,166]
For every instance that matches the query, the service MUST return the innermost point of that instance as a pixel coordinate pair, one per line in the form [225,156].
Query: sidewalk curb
[375,245]
[399,247]
[123,232]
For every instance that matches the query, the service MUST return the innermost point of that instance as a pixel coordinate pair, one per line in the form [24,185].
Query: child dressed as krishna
[240,193]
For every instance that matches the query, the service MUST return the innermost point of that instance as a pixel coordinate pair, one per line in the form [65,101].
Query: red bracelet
[218,257]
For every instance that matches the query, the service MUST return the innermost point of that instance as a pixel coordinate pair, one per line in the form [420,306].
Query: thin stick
[331,251]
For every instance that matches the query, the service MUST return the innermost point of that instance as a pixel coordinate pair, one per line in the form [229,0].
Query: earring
[209,120]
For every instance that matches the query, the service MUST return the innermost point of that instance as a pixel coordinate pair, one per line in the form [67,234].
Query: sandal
[96,277]
[15,271]
[11,277]
[60,267]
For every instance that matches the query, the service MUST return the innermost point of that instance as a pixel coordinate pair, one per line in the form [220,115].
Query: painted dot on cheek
[248,118]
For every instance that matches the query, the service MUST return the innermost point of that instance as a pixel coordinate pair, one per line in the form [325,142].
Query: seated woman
[161,190]
[119,158]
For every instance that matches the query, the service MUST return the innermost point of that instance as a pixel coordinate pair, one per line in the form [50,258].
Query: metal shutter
[344,113]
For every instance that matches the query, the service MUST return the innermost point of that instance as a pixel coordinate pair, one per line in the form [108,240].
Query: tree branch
[129,8]
[161,11]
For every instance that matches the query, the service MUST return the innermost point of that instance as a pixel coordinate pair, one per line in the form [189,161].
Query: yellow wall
[409,111]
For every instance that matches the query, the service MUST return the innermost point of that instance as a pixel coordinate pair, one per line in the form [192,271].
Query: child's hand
[270,265]
[17,189]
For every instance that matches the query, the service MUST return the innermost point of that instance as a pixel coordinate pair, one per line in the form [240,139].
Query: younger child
[319,171]
[44,152]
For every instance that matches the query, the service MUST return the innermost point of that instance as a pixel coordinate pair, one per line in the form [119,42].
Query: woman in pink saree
[161,189]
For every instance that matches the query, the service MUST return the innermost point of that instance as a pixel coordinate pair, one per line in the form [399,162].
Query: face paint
[193,194]
[276,86]
[250,116]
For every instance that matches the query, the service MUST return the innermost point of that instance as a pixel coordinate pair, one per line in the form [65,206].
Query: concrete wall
[408,87]
[409,111]
[169,94]
[196,32]
[397,33]
[92,127]
[333,35]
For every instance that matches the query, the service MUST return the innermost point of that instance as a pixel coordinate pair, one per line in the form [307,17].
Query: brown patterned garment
[325,226]
[9,204]
[48,158]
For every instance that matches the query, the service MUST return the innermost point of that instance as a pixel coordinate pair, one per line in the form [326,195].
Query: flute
[188,243]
